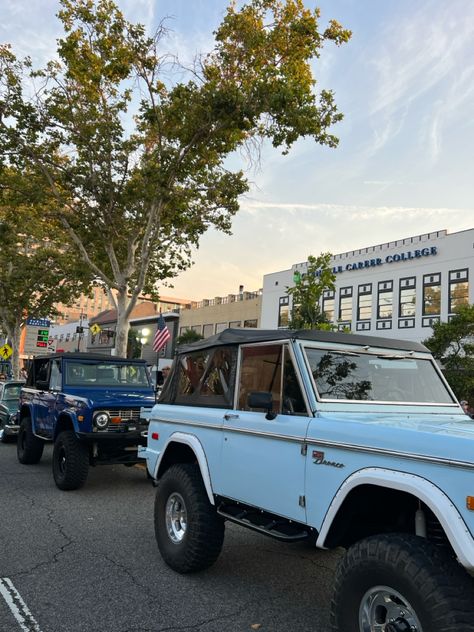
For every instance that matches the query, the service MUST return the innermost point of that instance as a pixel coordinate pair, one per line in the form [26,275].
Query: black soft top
[243,335]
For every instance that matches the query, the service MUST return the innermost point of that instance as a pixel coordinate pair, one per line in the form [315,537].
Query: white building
[396,289]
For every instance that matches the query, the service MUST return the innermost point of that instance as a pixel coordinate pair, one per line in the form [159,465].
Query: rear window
[202,378]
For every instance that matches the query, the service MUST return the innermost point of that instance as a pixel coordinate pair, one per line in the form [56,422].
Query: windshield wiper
[394,357]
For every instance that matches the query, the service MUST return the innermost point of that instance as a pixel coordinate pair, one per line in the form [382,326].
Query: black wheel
[188,530]
[70,461]
[29,448]
[401,583]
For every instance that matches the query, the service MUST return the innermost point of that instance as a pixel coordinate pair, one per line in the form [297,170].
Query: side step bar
[263,522]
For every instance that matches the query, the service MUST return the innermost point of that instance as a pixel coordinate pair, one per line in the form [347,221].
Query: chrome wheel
[383,609]
[176,518]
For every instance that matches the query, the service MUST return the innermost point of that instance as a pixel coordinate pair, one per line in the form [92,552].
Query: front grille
[128,416]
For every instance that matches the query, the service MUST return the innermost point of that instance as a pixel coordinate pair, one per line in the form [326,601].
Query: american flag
[162,335]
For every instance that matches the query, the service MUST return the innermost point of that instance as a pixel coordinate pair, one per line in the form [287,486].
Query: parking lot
[87,561]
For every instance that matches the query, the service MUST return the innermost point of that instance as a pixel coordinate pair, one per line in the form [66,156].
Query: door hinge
[304,449]
[302,501]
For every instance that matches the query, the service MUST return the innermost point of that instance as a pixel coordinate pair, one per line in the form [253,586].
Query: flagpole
[157,363]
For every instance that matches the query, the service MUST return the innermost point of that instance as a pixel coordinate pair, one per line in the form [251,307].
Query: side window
[41,371]
[55,380]
[292,401]
[269,368]
[205,378]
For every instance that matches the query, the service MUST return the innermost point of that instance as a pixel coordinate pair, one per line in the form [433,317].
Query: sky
[404,164]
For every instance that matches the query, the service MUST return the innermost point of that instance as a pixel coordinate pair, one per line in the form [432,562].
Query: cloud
[269,236]
[419,57]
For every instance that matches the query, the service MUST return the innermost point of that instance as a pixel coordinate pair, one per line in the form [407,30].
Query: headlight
[12,419]
[101,420]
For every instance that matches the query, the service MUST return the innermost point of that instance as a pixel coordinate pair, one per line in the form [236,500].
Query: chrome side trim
[258,433]
[411,456]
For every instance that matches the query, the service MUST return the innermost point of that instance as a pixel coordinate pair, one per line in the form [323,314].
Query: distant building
[210,316]
[86,307]
[71,336]
[397,289]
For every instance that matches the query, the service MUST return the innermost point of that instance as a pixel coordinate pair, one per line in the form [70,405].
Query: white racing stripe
[17,606]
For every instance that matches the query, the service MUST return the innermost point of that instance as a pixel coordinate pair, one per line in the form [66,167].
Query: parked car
[9,396]
[89,406]
[341,440]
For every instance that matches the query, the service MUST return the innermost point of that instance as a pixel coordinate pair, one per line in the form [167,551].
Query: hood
[448,436]
[115,398]
[11,405]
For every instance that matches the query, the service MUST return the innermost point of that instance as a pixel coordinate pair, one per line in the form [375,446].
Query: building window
[345,304]
[458,289]
[385,300]
[328,304]
[407,301]
[207,330]
[283,311]
[235,323]
[431,294]
[220,327]
[251,323]
[364,302]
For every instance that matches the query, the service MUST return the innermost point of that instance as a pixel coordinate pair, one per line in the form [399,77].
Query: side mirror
[262,399]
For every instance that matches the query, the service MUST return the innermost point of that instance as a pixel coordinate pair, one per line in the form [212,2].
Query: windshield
[386,377]
[11,391]
[108,373]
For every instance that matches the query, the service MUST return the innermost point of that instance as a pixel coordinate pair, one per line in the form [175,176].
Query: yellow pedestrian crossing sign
[5,351]
[95,328]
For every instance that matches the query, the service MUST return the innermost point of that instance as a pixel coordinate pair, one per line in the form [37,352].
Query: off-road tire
[70,461]
[204,535]
[29,449]
[436,587]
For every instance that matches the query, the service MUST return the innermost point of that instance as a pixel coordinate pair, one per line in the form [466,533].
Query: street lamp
[144,333]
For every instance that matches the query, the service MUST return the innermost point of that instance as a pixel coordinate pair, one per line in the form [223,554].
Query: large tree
[307,294]
[452,344]
[135,194]
[37,268]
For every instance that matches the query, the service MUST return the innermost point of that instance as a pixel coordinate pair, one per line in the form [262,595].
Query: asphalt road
[87,561]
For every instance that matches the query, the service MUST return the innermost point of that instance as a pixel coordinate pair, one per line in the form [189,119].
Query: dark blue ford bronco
[89,406]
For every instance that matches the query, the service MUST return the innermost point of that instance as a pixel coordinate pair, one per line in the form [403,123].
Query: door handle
[228,416]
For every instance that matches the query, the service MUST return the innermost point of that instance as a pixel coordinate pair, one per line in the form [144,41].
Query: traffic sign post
[52,345]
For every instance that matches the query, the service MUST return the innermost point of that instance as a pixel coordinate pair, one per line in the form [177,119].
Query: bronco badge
[318,459]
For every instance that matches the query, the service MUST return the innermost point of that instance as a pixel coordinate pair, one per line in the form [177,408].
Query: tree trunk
[14,342]
[123,322]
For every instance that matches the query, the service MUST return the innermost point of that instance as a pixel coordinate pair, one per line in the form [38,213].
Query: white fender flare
[195,445]
[446,512]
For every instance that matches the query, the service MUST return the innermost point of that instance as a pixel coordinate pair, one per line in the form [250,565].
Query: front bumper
[131,437]
[11,430]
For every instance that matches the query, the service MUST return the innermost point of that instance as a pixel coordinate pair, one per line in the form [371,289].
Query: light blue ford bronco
[338,439]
